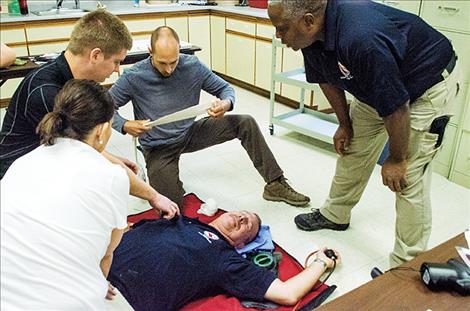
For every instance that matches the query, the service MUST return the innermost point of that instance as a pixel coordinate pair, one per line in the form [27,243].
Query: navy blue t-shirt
[381,55]
[165,264]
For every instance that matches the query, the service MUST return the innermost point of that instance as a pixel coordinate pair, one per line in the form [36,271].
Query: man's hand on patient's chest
[219,108]
[136,127]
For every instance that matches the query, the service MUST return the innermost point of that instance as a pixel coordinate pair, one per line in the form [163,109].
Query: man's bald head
[165,47]
[164,36]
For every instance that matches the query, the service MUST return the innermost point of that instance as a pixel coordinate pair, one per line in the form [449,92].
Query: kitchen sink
[61,11]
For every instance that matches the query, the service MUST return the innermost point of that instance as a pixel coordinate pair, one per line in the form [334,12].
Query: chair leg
[142,172]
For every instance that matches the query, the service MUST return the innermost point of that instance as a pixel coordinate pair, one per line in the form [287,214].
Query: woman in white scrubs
[63,208]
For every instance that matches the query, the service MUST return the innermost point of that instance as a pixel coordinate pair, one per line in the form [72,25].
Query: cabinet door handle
[393,3]
[448,9]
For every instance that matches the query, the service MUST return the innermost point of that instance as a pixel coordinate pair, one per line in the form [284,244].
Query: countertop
[121,8]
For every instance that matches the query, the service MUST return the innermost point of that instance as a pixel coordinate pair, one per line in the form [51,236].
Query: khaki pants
[413,206]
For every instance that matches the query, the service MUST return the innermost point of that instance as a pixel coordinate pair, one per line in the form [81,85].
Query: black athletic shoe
[316,221]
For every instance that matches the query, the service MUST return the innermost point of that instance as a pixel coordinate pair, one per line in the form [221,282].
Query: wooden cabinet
[49,39]
[12,35]
[21,50]
[461,44]
[241,58]
[143,24]
[452,18]
[459,105]
[58,31]
[141,28]
[9,87]
[266,31]
[180,25]
[293,60]
[263,65]
[218,43]
[240,49]
[443,159]
[466,117]
[411,6]
[15,38]
[263,59]
[43,48]
[461,172]
[241,26]
[450,15]
[200,35]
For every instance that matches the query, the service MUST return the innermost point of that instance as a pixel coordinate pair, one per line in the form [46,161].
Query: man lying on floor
[165,264]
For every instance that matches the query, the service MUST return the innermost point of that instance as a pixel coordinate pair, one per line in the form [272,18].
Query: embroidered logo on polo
[346,73]
[209,236]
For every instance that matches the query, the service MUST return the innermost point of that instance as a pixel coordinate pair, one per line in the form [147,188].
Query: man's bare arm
[294,289]
[394,168]
[337,99]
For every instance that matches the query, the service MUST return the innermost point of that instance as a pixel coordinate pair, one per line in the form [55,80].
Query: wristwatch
[325,266]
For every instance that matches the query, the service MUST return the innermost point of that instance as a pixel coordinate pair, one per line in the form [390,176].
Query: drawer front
[459,105]
[411,6]
[218,43]
[453,15]
[199,34]
[265,31]
[20,50]
[264,65]
[444,155]
[462,161]
[180,25]
[142,37]
[241,53]
[319,99]
[9,87]
[47,48]
[466,119]
[292,60]
[241,26]
[13,36]
[461,45]
[140,25]
[49,33]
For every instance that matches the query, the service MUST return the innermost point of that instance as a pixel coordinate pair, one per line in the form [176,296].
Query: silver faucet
[99,5]
[59,4]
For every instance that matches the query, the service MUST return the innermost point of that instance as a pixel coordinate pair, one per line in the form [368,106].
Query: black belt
[451,65]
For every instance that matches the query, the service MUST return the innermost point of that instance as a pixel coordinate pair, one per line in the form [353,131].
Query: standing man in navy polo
[402,74]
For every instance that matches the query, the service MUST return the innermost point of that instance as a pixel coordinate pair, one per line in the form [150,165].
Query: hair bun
[62,115]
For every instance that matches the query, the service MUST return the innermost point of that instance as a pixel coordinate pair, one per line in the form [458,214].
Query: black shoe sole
[301,227]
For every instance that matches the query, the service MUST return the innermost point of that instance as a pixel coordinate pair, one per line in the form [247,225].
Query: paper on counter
[464,253]
[184,114]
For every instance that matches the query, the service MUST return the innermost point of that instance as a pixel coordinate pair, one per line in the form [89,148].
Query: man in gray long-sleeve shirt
[168,82]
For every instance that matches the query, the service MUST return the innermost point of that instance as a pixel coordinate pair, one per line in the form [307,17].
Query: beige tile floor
[226,174]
